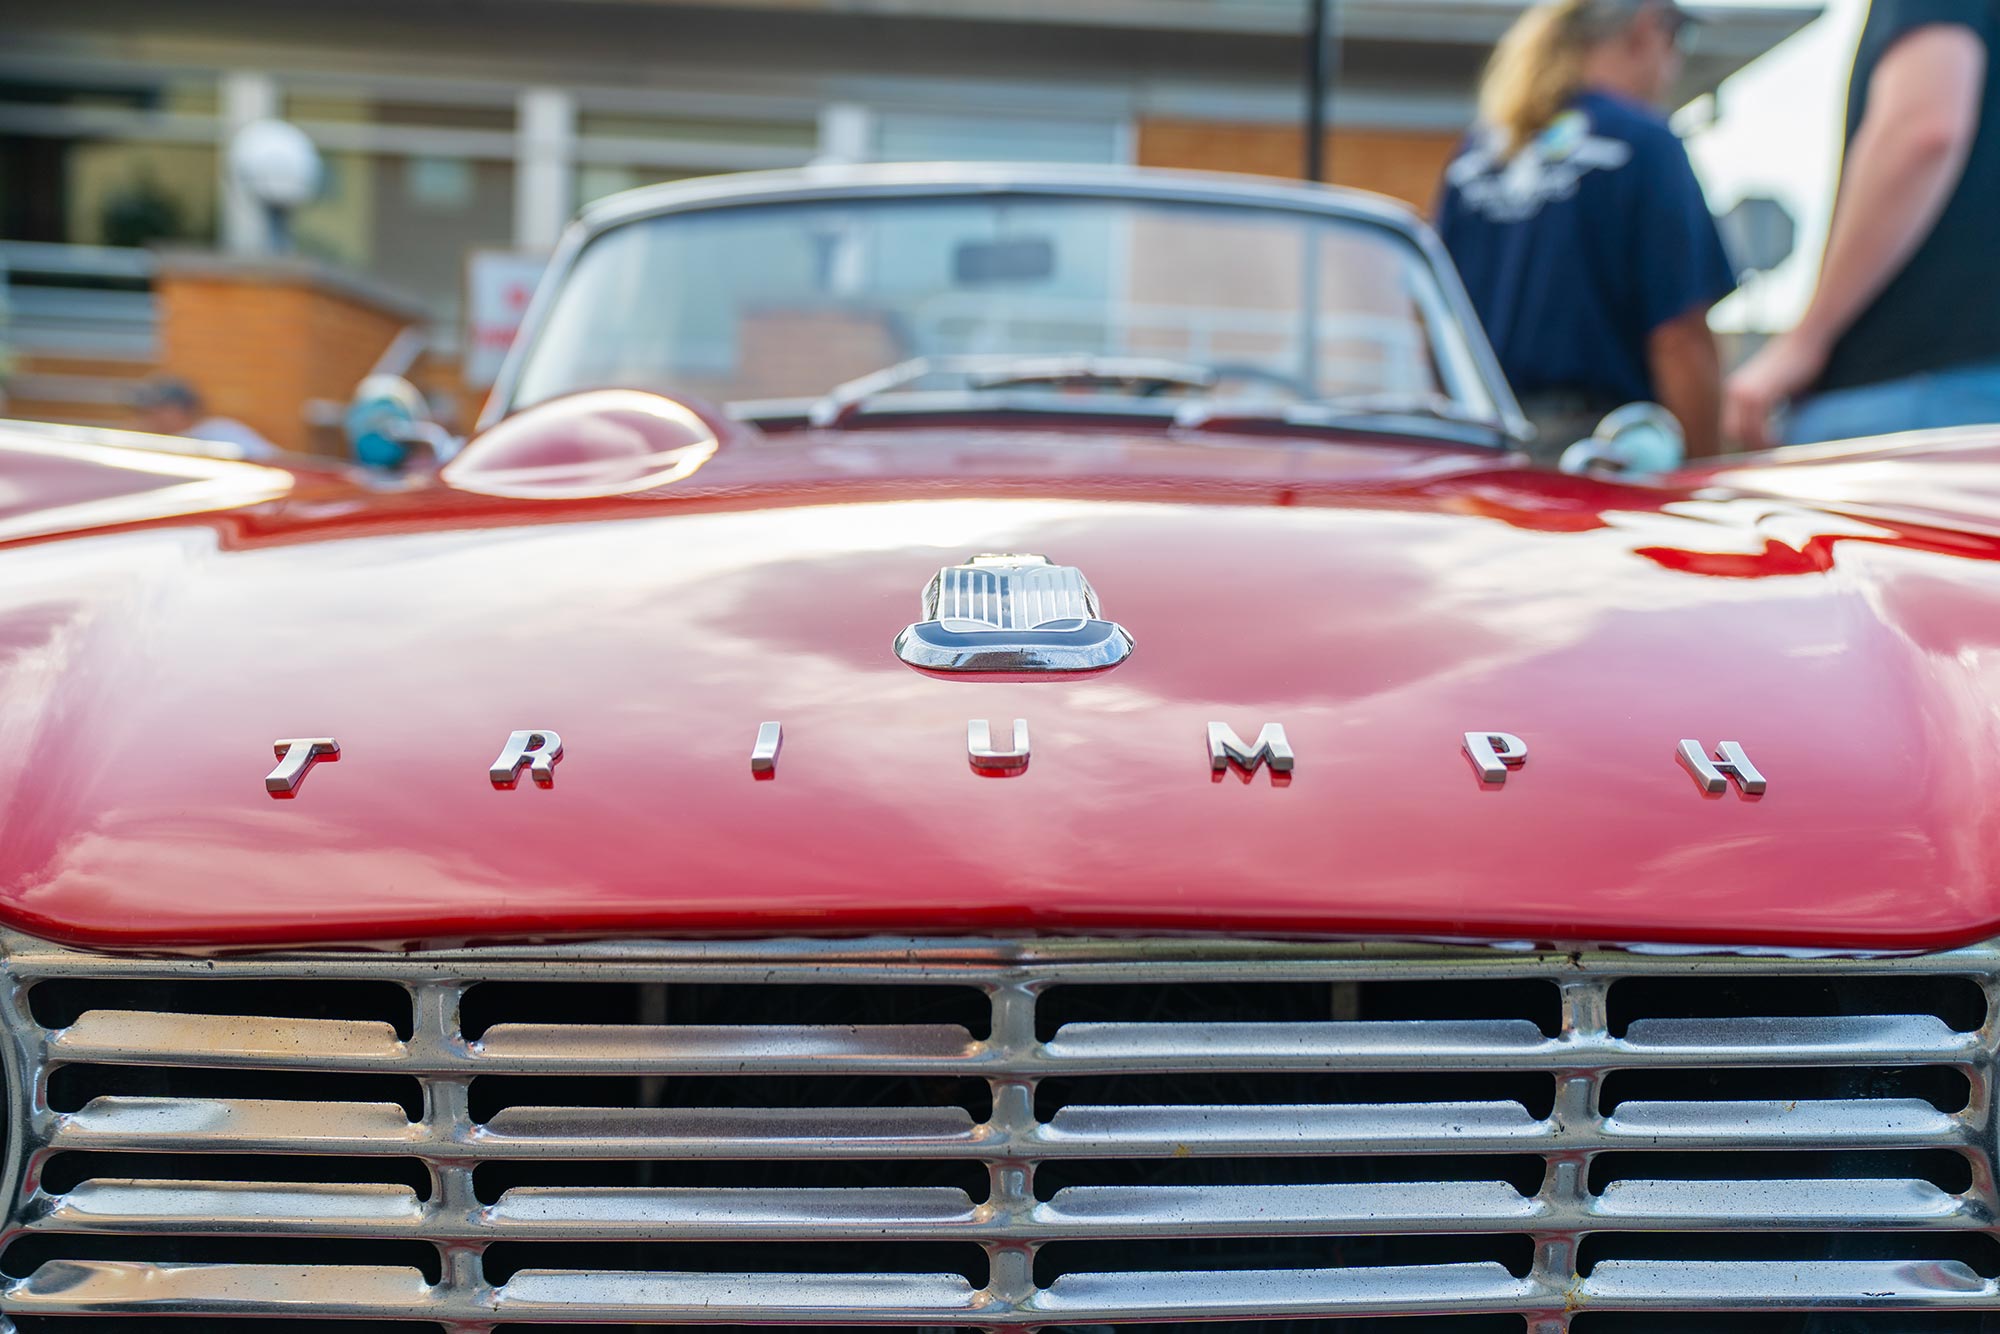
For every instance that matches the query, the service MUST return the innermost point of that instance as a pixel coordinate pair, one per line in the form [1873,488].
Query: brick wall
[259,339]
[1402,163]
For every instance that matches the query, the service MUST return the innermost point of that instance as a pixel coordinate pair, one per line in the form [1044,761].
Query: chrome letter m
[1225,748]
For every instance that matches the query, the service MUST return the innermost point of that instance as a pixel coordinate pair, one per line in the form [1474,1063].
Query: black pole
[1319,74]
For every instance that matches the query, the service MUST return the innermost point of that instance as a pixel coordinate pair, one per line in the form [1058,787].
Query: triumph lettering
[1493,753]
[764,755]
[538,750]
[979,747]
[295,757]
[1729,759]
[1226,748]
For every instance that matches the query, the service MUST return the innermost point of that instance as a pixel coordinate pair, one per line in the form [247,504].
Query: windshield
[747,304]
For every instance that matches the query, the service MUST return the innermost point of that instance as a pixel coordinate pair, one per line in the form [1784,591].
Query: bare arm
[1687,376]
[1906,160]
[1901,169]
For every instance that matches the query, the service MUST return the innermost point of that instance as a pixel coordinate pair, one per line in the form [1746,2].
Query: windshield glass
[787,301]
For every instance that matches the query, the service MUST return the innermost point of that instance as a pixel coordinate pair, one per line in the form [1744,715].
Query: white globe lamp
[275,163]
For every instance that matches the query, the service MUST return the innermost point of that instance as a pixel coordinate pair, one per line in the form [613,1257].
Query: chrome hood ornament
[1012,614]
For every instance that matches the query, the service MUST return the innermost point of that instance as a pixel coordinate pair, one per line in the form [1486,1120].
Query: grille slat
[1387,1290]
[1268,1145]
[221,1208]
[918,1213]
[1774,1205]
[144,1038]
[935,1213]
[1217,1130]
[135,1037]
[922,1299]
[738,1133]
[106,1287]
[101,1288]
[771,1049]
[189,1125]
[1633,1285]
[1505,1045]
[1235,1211]
[1875,1123]
[239,1125]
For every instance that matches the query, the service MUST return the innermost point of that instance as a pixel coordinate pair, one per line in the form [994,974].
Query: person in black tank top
[1903,332]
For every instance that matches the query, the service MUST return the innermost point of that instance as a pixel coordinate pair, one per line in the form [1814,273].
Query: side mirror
[1638,440]
[389,419]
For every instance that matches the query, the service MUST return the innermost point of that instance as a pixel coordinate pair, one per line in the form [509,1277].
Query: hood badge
[1012,613]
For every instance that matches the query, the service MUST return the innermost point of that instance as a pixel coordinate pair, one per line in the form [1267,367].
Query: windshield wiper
[1404,413]
[1001,373]
[1007,383]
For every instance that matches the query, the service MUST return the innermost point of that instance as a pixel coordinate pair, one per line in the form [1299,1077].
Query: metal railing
[77,300]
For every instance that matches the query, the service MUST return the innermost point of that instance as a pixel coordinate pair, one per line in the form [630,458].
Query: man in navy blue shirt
[1575,218]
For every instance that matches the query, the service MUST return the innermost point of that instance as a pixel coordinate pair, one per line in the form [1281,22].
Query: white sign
[498,286]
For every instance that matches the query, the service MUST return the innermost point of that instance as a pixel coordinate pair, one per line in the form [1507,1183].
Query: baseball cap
[1681,15]
[1602,18]
[167,391]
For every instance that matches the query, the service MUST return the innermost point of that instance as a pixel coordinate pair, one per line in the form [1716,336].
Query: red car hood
[1376,601]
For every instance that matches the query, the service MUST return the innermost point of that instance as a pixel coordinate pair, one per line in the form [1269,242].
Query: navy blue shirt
[1581,245]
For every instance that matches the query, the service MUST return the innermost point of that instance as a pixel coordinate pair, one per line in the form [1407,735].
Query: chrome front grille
[1002,1135]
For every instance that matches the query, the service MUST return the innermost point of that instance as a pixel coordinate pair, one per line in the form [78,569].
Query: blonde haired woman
[1576,220]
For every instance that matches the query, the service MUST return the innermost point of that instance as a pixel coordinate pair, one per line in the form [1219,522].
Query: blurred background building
[458,128]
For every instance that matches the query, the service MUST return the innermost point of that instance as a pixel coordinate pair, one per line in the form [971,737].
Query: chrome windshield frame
[1472,354]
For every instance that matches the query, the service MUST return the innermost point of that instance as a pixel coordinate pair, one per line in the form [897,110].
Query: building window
[110,164]
[622,148]
[409,220]
[913,136]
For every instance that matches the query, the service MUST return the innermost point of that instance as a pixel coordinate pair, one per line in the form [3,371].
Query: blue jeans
[1961,396]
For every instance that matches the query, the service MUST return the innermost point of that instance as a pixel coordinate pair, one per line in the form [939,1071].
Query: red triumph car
[1009,749]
